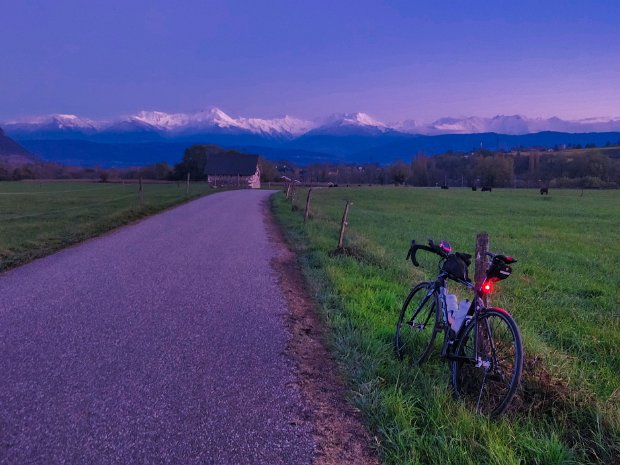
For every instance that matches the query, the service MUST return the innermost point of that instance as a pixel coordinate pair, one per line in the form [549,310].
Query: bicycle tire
[415,332]
[490,382]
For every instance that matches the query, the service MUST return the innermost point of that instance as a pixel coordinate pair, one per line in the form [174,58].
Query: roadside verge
[339,432]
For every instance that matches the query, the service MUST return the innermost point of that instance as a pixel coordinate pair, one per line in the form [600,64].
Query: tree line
[572,168]
[594,168]
[193,162]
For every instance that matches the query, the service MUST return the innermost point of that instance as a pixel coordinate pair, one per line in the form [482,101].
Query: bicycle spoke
[416,330]
[489,384]
[480,394]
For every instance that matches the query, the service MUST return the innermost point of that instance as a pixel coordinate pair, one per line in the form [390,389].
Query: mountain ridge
[324,149]
[173,125]
[149,137]
[12,153]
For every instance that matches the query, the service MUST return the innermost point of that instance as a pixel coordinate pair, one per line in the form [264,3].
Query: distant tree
[268,171]
[494,171]
[195,160]
[420,170]
[373,173]
[159,171]
[399,172]
[23,172]
[5,175]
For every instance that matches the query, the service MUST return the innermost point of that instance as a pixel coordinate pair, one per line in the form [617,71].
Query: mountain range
[288,127]
[151,136]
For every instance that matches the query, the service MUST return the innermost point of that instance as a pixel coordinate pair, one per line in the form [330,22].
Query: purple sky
[393,59]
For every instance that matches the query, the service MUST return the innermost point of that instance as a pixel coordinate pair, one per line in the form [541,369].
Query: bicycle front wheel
[489,379]
[417,325]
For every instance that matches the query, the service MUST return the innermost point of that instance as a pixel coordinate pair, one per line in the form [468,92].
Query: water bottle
[452,306]
[459,315]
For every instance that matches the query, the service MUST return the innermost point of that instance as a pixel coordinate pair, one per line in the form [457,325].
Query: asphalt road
[162,342]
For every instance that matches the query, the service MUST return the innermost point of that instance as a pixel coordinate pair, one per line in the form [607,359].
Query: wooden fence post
[343,224]
[187,187]
[307,211]
[482,247]
[288,191]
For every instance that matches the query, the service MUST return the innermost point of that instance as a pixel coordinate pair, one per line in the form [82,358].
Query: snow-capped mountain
[340,124]
[157,121]
[511,124]
[160,120]
[285,125]
[352,119]
[346,133]
[56,122]
[215,118]
[213,123]
[514,124]
[500,124]
[152,136]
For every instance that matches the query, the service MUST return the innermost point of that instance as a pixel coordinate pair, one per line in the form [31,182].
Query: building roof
[231,164]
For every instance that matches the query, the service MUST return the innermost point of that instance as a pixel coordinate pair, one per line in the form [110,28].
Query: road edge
[339,432]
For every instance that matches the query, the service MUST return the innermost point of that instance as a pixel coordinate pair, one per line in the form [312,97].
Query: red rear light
[487,287]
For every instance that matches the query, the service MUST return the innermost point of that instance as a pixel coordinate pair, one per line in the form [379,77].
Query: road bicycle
[481,344]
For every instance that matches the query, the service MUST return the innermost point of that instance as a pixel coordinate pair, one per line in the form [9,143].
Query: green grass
[563,293]
[38,218]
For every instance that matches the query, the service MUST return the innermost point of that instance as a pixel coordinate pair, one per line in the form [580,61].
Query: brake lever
[410,250]
[411,254]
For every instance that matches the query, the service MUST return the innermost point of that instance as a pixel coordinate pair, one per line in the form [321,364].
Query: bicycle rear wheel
[417,325]
[490,378]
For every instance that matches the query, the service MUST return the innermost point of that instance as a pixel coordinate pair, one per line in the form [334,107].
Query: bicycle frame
[450,338]
[486,353]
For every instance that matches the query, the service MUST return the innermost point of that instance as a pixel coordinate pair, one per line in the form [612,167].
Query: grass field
[563,293]
[38,218]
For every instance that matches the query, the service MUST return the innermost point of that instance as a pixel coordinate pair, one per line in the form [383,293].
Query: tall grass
[38,218]
[563,293]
